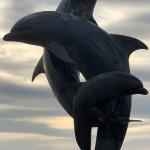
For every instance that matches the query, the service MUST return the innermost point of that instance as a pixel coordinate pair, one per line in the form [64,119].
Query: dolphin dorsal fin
[38,69]
[129,44]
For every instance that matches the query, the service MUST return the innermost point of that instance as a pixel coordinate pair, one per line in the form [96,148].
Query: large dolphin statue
[84,9]
[85,51]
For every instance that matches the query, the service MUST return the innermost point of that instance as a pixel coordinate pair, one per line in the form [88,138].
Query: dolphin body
[94,45]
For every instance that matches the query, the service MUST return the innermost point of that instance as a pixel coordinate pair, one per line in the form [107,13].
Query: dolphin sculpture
[84,9]
[81,8]
[79,49]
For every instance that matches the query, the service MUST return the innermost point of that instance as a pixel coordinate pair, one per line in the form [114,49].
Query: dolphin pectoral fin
[126,121]
[60,52]
[105,120]
[129,44]
[38,69]
[82,134]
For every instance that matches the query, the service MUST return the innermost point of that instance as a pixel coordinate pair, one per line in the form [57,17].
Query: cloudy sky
[30,116]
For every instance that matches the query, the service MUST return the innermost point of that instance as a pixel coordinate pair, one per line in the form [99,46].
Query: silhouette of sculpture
[72,45]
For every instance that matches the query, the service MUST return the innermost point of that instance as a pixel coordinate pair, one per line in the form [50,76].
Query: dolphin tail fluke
[82,134]
[38,69]
[129,44]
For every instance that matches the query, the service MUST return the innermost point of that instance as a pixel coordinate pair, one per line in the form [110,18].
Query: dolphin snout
[141,91]
[23,36]
[12,36]
[7,37]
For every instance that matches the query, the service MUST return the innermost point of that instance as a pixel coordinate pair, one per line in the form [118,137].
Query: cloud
[141,73]
[137,137]
[141,105]
[15,10]
[126,3]
[56,122]
[38,143]
[6,137]
[137,24]
[35,128]
[16,91]
[31,113]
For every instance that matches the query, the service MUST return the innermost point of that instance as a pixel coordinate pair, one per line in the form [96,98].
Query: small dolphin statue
[85,51]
